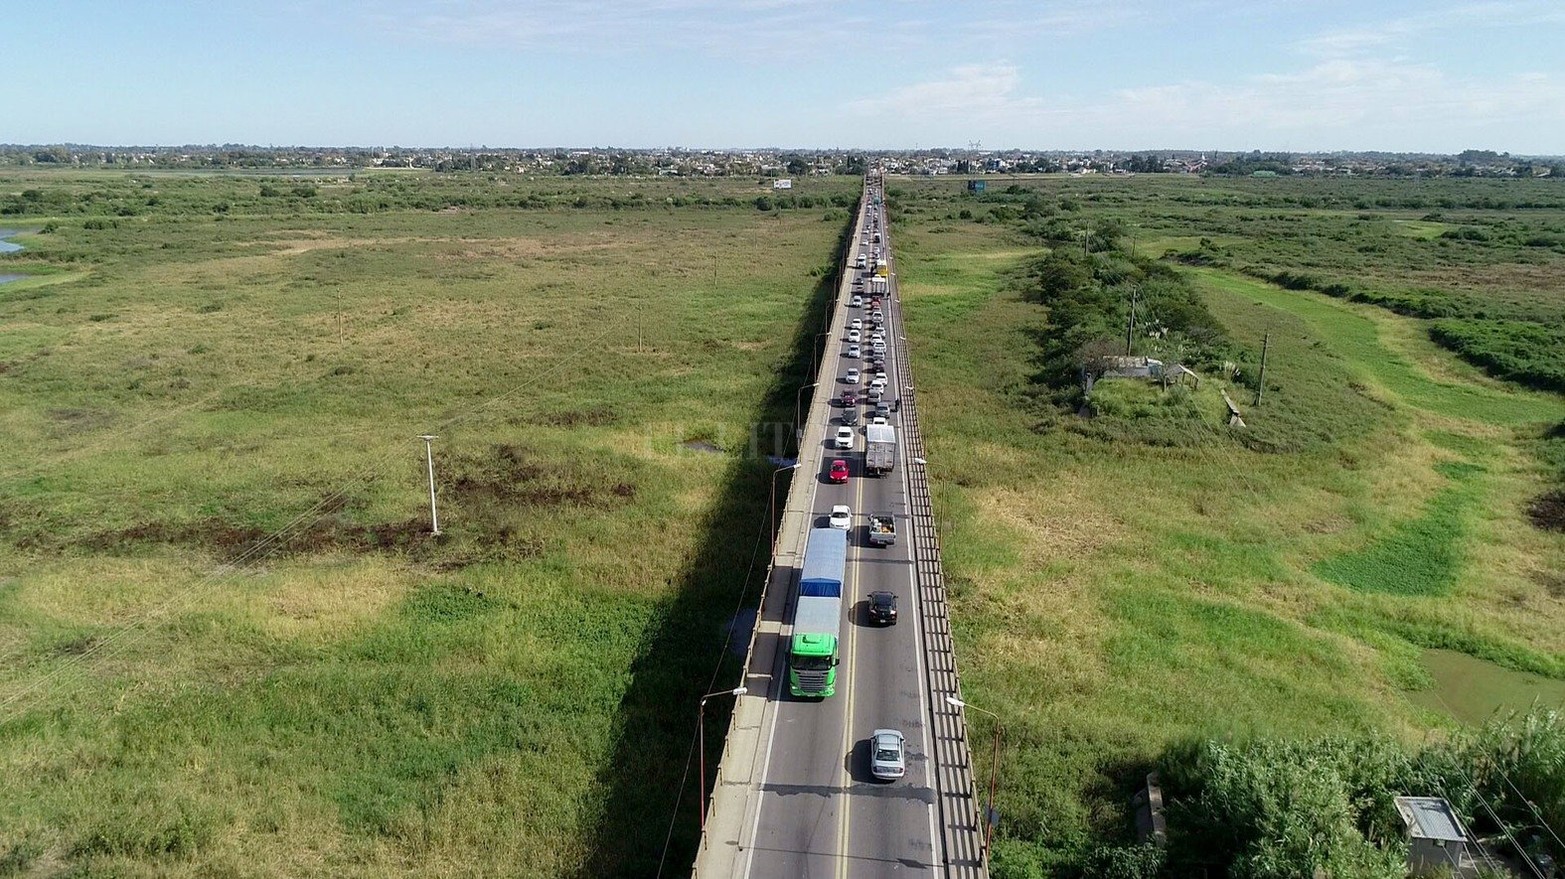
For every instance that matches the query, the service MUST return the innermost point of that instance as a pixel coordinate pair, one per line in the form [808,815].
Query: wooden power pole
[1130,326]
[1260,385]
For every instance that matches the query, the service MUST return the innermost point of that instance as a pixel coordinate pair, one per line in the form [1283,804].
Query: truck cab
[812,665]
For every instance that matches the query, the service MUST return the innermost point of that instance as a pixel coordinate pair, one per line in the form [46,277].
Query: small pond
[1473,690]
[9,247]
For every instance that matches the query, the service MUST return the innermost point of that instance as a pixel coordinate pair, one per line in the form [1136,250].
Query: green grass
[1420,229]
[1355,335]
[1487,251]
[1118,590]
[1421,556]
[363,699]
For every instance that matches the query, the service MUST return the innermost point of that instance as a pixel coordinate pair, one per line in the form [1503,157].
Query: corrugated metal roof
[1430,818]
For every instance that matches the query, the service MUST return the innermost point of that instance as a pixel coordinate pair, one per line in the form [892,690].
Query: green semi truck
[817,615]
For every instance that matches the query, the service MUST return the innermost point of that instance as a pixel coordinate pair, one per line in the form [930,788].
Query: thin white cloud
[1469,16]
[987,91]
[605,28]
[1335,103]
[1011,22]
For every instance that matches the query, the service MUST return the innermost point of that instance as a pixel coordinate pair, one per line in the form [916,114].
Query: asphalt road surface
[820,811]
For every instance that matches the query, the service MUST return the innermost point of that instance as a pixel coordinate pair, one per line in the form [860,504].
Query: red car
[849,398]
[839,470]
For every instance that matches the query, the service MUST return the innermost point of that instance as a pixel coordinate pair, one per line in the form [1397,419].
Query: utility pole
[1130,326]
[1260,386]
[701,735]
[429,458]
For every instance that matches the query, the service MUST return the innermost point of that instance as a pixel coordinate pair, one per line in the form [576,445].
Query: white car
[879,382]
[841,517]
[877,314]
[852,377]
[877,337]
[844,438]
[854,336]
[878,419]
[878,347]
[856,324]
[856,302]
[887,754]
[855,351]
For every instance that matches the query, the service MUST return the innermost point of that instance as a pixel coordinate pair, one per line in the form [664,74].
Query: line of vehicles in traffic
[813,654]
[814,647]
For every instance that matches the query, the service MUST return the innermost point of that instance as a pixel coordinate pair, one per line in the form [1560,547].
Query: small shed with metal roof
[1435,835]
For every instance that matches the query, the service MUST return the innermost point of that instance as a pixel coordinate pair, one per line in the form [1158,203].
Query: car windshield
[811,663]
[886,755]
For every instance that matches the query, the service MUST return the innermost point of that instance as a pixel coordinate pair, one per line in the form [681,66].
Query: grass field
[199,363]
[230,646]
[1115,596]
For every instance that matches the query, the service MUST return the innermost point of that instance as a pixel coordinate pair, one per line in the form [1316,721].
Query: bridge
[793,795]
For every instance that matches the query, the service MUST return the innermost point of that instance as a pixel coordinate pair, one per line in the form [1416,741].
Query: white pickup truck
[882,529]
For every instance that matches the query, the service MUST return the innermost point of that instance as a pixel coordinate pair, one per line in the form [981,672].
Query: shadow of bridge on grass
[653,765]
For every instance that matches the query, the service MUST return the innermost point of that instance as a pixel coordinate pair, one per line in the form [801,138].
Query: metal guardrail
[962,837]
[960,817]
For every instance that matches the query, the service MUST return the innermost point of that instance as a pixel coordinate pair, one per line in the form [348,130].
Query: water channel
[7,246]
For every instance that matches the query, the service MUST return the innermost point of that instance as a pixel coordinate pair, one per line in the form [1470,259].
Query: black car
[883,608]
[850,416]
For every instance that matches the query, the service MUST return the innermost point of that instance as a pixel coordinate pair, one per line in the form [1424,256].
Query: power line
[1473,785]
[1531,807]
[717,668]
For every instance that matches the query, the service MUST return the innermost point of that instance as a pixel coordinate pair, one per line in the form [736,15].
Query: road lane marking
[783,680]
[850,602]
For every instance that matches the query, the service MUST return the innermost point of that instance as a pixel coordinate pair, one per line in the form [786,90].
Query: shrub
[1520,351]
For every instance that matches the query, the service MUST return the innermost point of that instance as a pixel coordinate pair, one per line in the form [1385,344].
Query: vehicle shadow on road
[648,815]
[856,764]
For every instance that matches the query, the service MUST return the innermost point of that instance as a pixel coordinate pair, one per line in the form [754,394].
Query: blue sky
[1049,74]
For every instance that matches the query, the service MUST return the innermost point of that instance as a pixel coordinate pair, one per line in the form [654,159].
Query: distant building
[1124,366]
[975,185]
[784,183]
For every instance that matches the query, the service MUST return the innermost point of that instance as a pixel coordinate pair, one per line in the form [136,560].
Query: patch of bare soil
[1547,510]
[517,476]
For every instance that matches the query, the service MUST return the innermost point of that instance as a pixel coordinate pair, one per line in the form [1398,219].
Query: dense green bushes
[1281,809]
[113,194]
[1284,809]
[1527,353]
[1287,809]
[1089,297]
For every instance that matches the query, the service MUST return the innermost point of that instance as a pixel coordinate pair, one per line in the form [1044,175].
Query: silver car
[887,758]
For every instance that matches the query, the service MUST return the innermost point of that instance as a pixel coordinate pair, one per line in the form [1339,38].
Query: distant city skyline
[1383,75]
